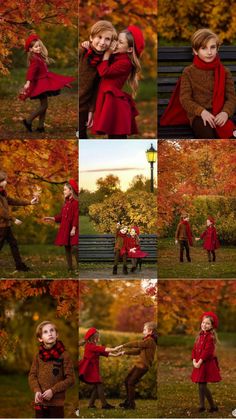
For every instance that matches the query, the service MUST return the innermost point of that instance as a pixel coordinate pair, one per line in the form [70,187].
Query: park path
[106,273]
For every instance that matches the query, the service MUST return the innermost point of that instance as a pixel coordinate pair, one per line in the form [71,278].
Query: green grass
[45,261]
[16,398]
[170,267]
[85,226]
[144,409]
[178,396]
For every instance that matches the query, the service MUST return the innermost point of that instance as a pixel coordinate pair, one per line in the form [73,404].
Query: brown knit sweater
[145,348]
[88,83]
[52,375]
[181,233]
[196,91]
[5,218]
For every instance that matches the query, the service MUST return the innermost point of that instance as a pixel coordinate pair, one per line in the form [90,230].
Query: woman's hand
[221,118]
[208,117]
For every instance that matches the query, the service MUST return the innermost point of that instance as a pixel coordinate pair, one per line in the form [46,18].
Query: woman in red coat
[132,247]
[115,110]
[89,371]
[40,83]
[68,218]
[210,239]
[205,363]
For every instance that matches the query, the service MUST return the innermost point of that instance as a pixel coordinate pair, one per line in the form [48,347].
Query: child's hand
[133,250]
[38,398]
[86,44]
[208,117]
[27,85]
[221,118]
[18,222]
[73,230]
[47,395]
[34,201]
[113,46]
[89,122]
[197,239]
[47,219]
[118,347]
[176,241]
[117,353]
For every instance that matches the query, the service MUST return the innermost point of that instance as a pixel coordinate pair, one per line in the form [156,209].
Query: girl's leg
[210,399]
[201,131]
[201,389]
[68,250]
[75,253]
[41,110]
[209,255]
[93,396]
[42,116]
[101,395]
[213,255]
[117,136]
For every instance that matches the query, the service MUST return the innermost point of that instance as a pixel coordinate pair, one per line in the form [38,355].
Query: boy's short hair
[202,36]
[103,25]
[151,325]
[39,328]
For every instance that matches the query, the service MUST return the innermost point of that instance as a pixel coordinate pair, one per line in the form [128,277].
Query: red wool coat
[204,348]
[210,240]
[42,80]
[130,243]
[89,365]
[115,110]
[67,218]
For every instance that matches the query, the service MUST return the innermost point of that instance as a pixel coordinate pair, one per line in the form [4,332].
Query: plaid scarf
[93,57]
[52,354]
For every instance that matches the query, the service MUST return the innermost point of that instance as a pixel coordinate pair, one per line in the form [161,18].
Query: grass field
[85,226]
[177,395]
[16,398]
[170,267]
[144,409]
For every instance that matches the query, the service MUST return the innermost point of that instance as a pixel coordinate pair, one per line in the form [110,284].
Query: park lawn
[16,398]
[177,395]
[45,261]
[144,409]
[170,267]
[85,226]
[62,116]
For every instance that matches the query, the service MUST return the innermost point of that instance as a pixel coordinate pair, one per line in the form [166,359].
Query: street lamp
[151,155]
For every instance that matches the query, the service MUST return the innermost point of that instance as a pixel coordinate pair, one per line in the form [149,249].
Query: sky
[122,158]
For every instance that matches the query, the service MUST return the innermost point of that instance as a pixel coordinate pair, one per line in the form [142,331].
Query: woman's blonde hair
[44,52]
[202,36]
[133,79]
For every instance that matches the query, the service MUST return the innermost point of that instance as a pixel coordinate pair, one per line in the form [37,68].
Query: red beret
[211,219]
[74,185]
[138,38]
[136,230]
[32,37]
[213,316]
[90,333]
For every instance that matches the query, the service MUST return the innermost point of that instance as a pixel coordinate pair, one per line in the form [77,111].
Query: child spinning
[204,96]
[115,109]
[205,364]
[89,367]
[40,82]
[68,218]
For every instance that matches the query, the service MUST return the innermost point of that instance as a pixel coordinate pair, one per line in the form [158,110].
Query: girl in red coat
[205,364]
[89,367]
[40,82]
[68,218]
[115,109]
[210,239]
[132,248]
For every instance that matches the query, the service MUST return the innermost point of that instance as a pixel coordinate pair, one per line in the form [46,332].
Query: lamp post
[151,155]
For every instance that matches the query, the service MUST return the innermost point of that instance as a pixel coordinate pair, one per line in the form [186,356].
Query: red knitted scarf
[176,115]
[93,57]
[52,354]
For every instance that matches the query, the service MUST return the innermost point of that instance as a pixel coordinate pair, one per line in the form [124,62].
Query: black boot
[213,409]
[27,125]
[114,270]
[133,269]
[40,129]
[22,267]
[125,270]
[108,406]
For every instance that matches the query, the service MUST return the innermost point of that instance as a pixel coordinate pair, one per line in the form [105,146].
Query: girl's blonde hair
[202,36]
[134,76]
[213,331]
[101,26]
[75,196]
[44,52]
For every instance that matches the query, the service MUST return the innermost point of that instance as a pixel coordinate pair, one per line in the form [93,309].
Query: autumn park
[118,310]
[198,178]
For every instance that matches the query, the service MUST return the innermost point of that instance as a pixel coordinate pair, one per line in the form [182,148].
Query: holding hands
[115,351]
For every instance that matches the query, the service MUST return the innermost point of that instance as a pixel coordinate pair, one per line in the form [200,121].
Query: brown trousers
[131,381]
[7,235]
[201,131]
[83,118]
[50,412]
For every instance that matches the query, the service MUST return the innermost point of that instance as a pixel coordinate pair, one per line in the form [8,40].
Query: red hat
[74,185]
[138,38]
[32,37]
[137,231]
[213,316]
[211,219]
[90,333]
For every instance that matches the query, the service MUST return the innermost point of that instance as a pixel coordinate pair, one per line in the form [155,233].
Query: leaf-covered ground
[104,271]
[16,398]
[178,396]
[144,409]
[170,267]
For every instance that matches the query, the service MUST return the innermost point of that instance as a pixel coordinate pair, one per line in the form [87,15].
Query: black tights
[40,112]
[97,393]
[117,136]
[204,392]
[71,250]
[209,253]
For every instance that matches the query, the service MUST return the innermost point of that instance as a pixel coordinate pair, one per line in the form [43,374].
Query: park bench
[100,248]
[171,62]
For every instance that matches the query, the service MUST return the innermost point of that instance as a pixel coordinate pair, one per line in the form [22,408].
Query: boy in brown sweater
[51,373]
[146,349]
[101,35]
[184,237]
[121,236]
[6,221]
